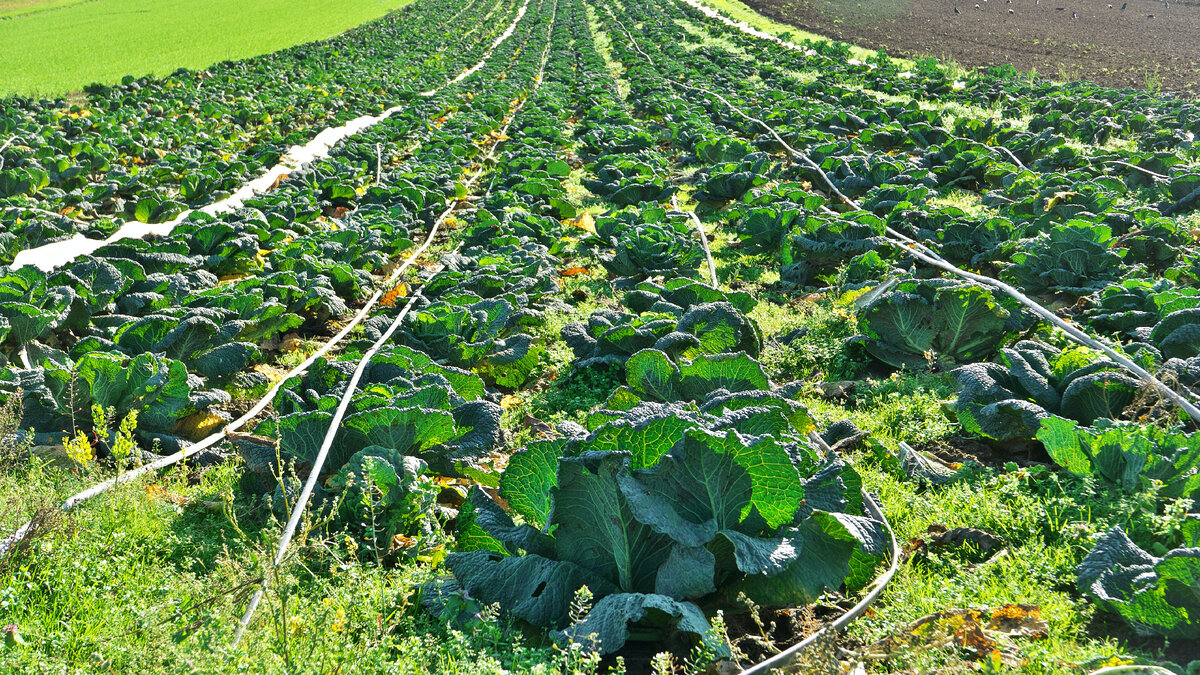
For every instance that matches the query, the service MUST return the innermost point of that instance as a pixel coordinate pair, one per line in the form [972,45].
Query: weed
[581,656]
[79,449]
[571,397]
[814,350]
[1154,82]
[14,446]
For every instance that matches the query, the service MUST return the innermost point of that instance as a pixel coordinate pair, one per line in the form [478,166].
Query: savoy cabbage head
[922,323]
[652,249]
[661,512]
[1028,382]
[1131,456]
[612,337]
[1072,259]
[1159,596]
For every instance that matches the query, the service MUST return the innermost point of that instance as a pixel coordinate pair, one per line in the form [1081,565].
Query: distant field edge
[740,11]
[57,47]
[17,9]
[1069,40]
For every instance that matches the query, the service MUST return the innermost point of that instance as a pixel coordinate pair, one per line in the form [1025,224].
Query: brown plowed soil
[1149,44]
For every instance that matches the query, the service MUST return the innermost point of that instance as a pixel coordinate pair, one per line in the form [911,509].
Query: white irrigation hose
[297,513]
[788,655]
[3,148]
[918,250]
[454,18]
[1155,176]
[217,437]
[750,30]
[1008,152]
[503,36]
[712,266]
[51,256]
[213,439]
[746,28]
[305,494]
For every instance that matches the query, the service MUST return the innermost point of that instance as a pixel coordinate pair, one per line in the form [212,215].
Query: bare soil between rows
[1148,44]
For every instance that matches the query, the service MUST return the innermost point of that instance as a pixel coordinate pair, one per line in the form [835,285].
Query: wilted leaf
[201,424]
[983,632]
[585,222]
[389,299]
[939,535]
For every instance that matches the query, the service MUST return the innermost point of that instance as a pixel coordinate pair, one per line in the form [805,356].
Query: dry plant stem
[921,252]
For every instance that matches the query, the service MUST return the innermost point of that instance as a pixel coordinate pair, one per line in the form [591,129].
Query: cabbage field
[569,336]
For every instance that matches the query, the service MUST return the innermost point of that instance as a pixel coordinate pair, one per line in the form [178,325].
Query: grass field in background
[53,47]
[15,8]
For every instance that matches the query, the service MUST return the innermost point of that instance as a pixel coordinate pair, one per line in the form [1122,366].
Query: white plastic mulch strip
[213,439]
[52,256]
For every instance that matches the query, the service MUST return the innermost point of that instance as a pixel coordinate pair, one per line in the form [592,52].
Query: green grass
[1047,517]
[141,580]
[708,40]
[152,576]
[15,8]
[603,43]
[969,202]
[51,53]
